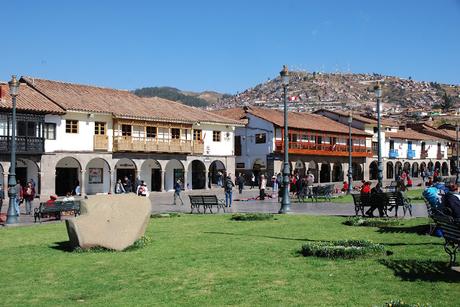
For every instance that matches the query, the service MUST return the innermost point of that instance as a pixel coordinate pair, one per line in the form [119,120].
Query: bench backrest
[196,199]
[450,228]
[61,205]
[210,200]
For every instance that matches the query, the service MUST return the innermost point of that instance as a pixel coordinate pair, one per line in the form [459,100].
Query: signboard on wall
[95,175]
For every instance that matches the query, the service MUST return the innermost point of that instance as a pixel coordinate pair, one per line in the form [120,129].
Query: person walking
[127,185]
[240,182]
[228,187]
[262,187]
[310,181]
[253,180]
[142,189]
[177,190]
[29,194]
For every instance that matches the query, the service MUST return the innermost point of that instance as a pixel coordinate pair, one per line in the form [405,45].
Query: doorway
[21,175]
[156,180]
[66,179]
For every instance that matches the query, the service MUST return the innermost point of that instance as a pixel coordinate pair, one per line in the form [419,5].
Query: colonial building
[93,136]
[316,143]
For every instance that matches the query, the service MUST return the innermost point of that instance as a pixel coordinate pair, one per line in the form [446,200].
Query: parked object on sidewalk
[55,208]
[207,202]
[110,221]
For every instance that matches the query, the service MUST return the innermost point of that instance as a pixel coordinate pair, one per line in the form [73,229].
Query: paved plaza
[245,202]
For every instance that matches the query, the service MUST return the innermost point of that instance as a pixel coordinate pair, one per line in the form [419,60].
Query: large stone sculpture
[110,221]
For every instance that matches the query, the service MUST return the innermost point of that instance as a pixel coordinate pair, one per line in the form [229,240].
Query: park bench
[389,201]
[323,192]
[207,202]
[451,233]
[56,208]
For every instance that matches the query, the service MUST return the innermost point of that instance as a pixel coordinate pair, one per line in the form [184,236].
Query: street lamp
[350,144]
[12,215]
[285,202]
[378,95]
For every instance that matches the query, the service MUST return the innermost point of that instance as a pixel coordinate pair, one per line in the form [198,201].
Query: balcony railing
[101,142]
[130,143]
[410,154]
[323,149]
[393,153]
[24,144]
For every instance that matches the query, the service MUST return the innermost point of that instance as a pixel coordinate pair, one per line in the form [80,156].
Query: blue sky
[226,46]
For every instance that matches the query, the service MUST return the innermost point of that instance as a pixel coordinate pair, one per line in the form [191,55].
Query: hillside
[313,91]
[202,99]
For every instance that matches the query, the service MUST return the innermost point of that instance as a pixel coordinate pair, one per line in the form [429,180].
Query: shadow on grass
[258,236]
[418,229]
[63,246]
[421,270]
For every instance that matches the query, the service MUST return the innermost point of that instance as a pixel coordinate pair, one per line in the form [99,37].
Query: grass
[209,260]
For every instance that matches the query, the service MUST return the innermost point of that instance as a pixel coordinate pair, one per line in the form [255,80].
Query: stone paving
[162,202]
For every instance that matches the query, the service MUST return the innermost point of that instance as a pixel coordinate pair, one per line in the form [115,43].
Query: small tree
[447,102]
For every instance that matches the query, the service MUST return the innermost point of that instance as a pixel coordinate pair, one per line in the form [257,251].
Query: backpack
[228,185]
[432,195]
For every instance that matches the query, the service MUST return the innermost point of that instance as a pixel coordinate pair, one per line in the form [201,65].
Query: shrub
[163,215]
[346,249]
[252,216]
[371,222]
[139,243]
[400,303]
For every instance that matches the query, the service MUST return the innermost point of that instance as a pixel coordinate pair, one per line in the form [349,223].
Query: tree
[447,102]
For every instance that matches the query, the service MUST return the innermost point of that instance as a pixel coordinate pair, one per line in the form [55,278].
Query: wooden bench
[56,208]
[389,201]
[451,233]
[207,202]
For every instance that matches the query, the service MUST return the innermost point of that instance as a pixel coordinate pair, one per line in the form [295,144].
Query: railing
[131,143]
[393,153]
[410,154]
[24,144]
[101,142]
[323,149]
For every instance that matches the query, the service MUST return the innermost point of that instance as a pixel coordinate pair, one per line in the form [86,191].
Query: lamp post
[350,144]
[378,95]
[12,215]
[457,168]
[285,202]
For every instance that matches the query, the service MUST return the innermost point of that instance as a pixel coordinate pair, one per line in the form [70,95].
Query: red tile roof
[28,100]
[120,103]
[363,118]
[410,134]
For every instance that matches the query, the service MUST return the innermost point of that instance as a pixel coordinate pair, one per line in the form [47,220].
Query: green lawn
[204,260]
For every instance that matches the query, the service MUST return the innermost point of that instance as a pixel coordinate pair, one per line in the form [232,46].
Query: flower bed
[252,217]
[371,222]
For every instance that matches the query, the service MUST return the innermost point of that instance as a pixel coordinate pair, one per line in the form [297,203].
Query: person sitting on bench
[376,200]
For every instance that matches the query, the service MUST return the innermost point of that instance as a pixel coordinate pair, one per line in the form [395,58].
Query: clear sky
[226,45]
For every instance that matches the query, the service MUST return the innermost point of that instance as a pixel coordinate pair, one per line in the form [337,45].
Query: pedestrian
[142,189]
[77,189]
[219,179]
[19,198]
[127,185]
[2,196]
[228,187]
[33,182]
[29,194]
[423,174]
[274,184]
[253,180]
[262,187]
[177,190]
[119,189]
[240,182]
[377,199]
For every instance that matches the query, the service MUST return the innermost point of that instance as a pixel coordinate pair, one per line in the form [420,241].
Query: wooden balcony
[101,142]
[305,148]
[198,148]
[130,143]
[24,144]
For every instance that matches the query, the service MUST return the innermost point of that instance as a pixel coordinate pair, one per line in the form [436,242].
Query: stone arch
[126,168]
[398,169]
[174,171]
[453,167]
[337,172]
[151,174]
[68,175]
[299,168]
[313,168]
[196,175]
[390,170]
[430,167]
[444,169]
[325,173]
[422,166]
[415,170]
[26,170]
[437,166]
[97,177]
[373,170]
[357,171]
[406,167]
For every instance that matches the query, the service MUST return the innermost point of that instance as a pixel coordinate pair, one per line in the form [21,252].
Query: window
[375,147]
[392,144]
[175,133]
[71,126]
[197,135]
[151,132]
[237,145]
[292,137]
[3,127]
[376,129]
[320,139]
[261,138]
[304,138]
[50,131]
[126,130]
[216,136]
[99,128]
